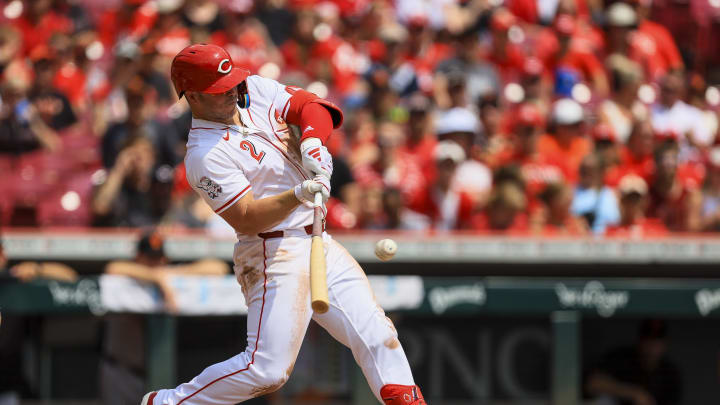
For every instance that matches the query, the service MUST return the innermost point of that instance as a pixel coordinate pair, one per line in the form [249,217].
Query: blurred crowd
[551,117]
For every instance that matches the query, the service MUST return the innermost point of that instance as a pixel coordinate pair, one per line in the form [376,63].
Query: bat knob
[319,306]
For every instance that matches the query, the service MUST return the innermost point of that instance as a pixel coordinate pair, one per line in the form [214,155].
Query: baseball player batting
[246,164]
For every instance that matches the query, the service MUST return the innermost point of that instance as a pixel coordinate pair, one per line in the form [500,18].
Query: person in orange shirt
[566,141]
[636,157]
[633,191]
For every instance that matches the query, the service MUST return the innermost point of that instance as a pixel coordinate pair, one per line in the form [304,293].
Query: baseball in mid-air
[385,249]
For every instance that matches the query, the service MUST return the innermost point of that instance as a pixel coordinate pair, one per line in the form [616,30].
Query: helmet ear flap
[243,96]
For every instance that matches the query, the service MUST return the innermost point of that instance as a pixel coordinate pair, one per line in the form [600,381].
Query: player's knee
[270,380]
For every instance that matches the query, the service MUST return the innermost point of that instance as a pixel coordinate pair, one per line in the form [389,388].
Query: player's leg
[277,294]
[355,320]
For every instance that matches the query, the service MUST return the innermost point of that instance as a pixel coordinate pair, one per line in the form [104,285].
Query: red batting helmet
[205,68]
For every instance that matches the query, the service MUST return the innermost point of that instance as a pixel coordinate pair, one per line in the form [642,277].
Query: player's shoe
[394,394]
[148,398]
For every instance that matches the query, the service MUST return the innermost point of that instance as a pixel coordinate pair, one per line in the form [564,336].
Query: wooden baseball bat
[318,272]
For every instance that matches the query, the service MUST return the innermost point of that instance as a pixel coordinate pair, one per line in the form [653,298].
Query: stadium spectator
[663,41]
[566,140]
[419,65]
[460,125]
[122,367]
[636,157]
[505,55]
[555,216]
[711,193]
[634,223]
[562,49]
[448,208]
[398,216]
[675,196]
[641,374]
[141,121]
[617,110]
[481,77]
[537,170]
[420,140]
[134,192]
[504,211]
[672,115]
[22,129]
[593,200]
[52,105]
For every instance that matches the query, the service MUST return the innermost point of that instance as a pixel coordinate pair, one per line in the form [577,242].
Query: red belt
[280,234]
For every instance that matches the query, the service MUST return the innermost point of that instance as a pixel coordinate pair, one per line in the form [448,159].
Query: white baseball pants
[275,278]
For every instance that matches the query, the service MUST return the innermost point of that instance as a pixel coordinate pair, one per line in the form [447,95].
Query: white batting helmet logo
[227,69]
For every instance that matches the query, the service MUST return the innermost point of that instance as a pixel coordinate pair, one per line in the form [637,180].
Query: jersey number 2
[248,146]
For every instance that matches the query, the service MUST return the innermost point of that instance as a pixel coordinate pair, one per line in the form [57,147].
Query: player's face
[214,107]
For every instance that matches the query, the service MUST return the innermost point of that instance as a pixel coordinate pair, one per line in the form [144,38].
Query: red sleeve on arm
[315,122]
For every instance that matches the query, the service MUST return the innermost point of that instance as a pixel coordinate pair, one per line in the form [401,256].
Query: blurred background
[549,168]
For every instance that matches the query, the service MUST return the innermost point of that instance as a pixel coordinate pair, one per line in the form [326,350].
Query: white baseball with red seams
[225,162]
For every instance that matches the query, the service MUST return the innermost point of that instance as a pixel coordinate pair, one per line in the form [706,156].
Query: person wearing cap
[634,222]
[537,170]
[566,141]
[446,207]
[270,184]
[622,37]
[460,125]
[659,34]
[641,374]
[122,366]
[420,140]
[506,56]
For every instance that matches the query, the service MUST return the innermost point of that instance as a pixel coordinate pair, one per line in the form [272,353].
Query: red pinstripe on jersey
[257,340]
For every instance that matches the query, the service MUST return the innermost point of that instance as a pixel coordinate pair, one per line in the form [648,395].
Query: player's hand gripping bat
[318,278]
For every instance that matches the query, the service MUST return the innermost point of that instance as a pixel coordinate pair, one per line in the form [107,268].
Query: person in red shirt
[641,47]
[504,211]
[447,208]
[675,196]
[537,170]
[633,223]
[636,157]
[505,55]
[667,49]
[420,140]
[560,48]
[566,141]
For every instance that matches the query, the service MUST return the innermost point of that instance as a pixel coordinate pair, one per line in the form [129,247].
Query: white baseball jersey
[223,162]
